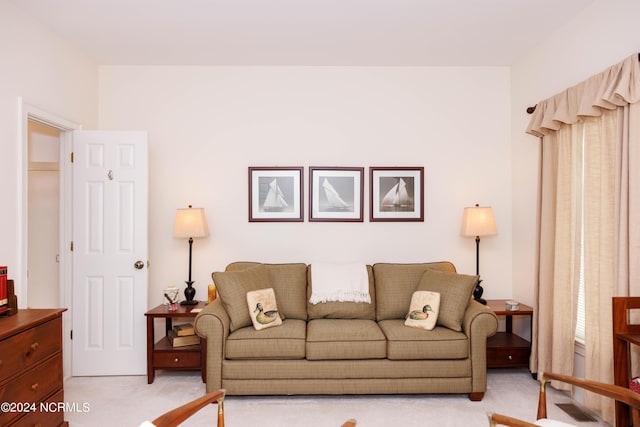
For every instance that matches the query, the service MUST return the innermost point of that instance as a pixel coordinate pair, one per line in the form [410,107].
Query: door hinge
[71,333]
[72,157]
[71,246]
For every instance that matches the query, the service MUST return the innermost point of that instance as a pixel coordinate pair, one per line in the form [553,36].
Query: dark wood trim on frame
[358,214]
[278,210]
[398,214]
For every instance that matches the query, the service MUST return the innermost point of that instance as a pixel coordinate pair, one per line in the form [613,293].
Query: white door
[109,253]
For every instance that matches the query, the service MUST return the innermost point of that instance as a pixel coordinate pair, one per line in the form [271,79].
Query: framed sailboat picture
[397,194]
[275,194]
[336,194]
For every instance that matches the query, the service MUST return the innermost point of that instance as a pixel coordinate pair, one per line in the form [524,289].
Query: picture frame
[396,194]
[336,194]
[276,194]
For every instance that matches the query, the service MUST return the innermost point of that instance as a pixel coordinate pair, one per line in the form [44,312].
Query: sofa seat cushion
[287,341]
[396,283]
[340,339]
[405,343]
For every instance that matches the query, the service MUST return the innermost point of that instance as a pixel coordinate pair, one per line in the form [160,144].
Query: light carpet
[128,401]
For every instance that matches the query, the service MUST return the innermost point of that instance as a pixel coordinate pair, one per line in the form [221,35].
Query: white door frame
[28,112]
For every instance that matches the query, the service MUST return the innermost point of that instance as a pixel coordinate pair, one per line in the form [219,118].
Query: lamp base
[189,293]
[477,293]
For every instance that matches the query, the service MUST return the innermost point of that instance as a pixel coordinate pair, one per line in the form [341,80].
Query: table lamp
[478,221]
[190,223]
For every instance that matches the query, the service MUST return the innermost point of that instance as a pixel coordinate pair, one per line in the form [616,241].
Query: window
[580,322]
[580,316]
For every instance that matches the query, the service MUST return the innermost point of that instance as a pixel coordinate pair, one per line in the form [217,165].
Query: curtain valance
[619,85]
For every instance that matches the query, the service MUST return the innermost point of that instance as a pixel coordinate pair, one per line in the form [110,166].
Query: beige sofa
[341,347]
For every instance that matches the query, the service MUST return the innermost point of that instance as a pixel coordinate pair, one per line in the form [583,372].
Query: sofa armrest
[479,323]
[481,317]
[212,323]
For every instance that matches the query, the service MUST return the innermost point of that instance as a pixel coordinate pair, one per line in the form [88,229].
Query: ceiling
[304,32]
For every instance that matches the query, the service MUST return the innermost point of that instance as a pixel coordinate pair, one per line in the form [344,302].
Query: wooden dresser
[626,335]
[31,368]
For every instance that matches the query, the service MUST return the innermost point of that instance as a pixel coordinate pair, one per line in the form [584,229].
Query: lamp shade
[190,222]
[478,221]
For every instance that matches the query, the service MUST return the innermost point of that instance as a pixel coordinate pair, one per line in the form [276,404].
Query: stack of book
[182,335]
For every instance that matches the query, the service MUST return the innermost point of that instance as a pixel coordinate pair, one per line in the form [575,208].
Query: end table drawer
[507,357]
[177,359]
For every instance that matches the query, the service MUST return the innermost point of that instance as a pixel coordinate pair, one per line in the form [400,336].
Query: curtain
[589,203]
[560,231]
[602,191]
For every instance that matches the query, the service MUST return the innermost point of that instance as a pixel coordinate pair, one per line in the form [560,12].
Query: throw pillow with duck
[263,309]
[423,311]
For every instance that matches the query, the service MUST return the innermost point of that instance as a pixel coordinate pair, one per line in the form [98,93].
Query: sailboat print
[275,198]
[334,200]
[397,198]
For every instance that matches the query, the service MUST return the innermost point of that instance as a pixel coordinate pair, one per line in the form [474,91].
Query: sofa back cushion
[342,310]
[289,282]
[455,294]
[233,287]
[396,283]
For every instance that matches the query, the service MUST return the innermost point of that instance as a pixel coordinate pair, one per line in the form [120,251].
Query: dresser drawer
[53,418]
[32,386]
[27,348]
[177,359]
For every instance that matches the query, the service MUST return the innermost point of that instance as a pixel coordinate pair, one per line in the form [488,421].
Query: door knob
[139,265]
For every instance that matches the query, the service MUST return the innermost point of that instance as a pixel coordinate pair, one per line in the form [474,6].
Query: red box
[4,301]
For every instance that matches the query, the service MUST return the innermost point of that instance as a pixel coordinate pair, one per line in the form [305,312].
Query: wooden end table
[506,349]
[162,355]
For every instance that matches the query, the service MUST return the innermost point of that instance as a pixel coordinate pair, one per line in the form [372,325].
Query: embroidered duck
[265,317]
[420,315]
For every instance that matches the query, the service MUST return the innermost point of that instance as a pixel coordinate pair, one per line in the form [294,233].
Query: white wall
[602,35]
[50,75]
[208,124]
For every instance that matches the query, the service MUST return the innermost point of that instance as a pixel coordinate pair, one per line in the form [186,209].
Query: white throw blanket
[344,282]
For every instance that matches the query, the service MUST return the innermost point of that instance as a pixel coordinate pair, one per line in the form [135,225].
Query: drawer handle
[510,358]
[35,386]
[32,348]
[176,360]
